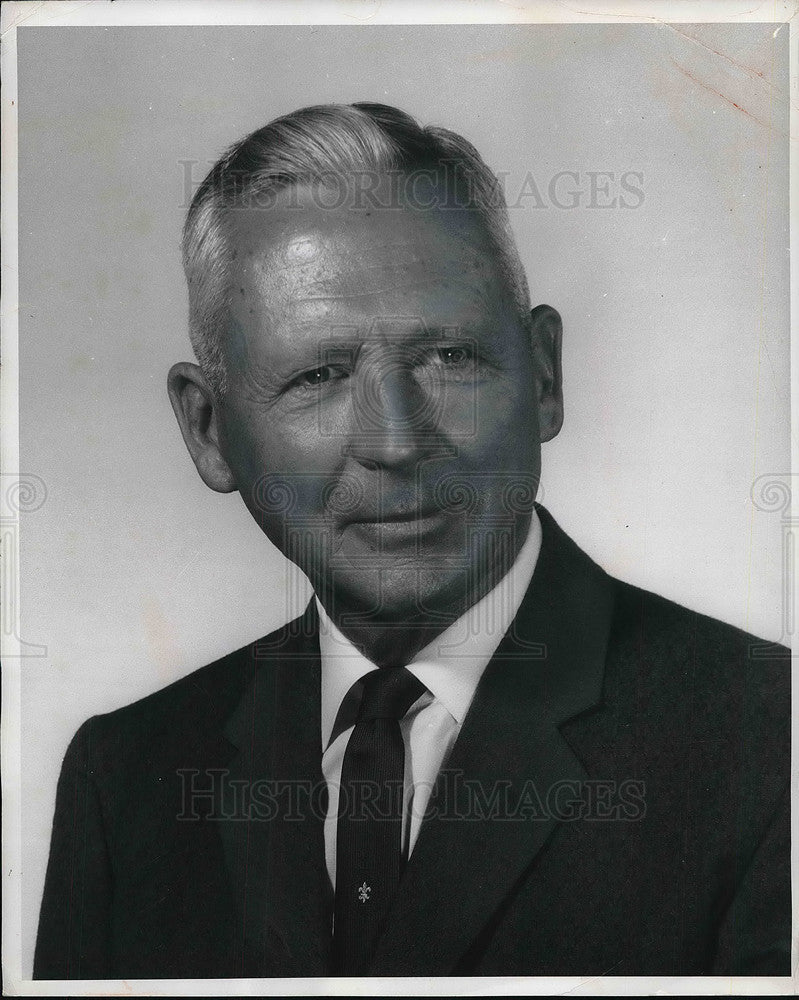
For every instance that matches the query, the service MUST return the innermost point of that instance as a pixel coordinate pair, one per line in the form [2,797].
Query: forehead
[299,264]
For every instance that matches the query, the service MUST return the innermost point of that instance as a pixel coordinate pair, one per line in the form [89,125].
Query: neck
[389,644]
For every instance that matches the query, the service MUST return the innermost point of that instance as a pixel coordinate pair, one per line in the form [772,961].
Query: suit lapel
[548,669]
[276,854]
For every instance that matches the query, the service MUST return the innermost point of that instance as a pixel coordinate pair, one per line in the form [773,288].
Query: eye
[458,354]
[318,376]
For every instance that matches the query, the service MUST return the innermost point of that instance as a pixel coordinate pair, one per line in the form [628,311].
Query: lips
[396,516]
[401,531]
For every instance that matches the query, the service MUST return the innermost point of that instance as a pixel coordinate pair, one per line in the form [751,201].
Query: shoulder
[661,630]
[185,716]
[684,674]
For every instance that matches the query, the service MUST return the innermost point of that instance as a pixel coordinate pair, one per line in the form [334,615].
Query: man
[475,753]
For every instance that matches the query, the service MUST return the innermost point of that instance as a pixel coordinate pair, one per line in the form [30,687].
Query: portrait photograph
[399,575]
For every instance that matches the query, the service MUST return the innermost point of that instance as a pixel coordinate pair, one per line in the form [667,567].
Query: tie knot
[388,693]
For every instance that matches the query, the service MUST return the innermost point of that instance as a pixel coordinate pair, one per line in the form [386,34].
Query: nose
[393,417]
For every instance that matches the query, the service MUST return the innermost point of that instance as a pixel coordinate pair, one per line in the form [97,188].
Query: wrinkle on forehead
[378,270]
[322,266]
[298,235]
[309,265]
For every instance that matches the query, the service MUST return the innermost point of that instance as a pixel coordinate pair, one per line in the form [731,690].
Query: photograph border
[19,489]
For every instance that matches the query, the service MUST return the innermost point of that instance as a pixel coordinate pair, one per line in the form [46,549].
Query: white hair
[315,144]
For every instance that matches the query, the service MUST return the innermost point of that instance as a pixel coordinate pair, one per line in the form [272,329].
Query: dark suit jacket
[616,803]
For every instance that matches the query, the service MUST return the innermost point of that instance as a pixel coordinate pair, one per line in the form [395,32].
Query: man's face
[381,421]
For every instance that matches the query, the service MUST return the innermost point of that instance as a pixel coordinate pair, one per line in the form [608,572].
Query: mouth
[400,528]
[398,517]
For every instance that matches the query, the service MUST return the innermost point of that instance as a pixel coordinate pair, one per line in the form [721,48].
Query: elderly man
[475,752]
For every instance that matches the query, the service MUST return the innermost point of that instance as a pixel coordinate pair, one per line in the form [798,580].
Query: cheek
[258,441]
[500,462]
[283,468]
[504,425]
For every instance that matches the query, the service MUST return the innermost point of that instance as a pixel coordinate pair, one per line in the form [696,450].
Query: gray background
[675,312]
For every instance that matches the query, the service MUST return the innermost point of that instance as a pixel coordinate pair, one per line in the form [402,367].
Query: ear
[197,413]
[547,334]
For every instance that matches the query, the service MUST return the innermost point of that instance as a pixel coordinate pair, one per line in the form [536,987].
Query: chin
[399,593]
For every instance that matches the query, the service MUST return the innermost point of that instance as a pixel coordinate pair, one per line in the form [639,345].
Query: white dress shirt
[449,667]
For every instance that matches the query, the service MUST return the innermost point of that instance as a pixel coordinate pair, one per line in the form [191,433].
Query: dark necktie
[369,858]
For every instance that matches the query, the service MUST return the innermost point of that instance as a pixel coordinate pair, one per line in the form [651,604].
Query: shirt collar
[451,665]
